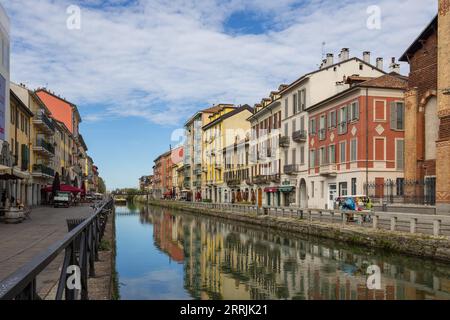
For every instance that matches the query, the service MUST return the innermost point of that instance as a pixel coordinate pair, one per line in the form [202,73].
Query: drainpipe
[367,142]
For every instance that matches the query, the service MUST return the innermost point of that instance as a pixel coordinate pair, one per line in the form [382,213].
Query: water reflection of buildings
[224,261]
[168,235]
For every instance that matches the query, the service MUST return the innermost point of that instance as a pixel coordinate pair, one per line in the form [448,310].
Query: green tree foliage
[101,185]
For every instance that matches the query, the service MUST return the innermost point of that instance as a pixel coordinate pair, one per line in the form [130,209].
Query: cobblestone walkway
[19,243]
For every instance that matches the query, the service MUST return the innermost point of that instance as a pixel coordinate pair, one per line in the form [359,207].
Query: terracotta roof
[392,80]
[352,79]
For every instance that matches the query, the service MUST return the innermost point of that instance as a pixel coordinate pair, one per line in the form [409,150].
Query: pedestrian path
[20,243]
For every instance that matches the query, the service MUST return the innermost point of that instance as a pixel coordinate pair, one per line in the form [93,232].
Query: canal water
[163,254]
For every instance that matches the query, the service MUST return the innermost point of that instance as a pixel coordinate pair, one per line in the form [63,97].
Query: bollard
[344,218]
[412,225]
[436,227]
[375,221]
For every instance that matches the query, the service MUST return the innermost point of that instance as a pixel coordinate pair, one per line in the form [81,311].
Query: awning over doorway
[271,190]
[286,189]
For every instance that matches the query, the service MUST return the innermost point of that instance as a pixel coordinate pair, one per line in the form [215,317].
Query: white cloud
[162,60]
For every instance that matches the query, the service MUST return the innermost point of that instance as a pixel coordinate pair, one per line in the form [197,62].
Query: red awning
[271,190]
[64,188]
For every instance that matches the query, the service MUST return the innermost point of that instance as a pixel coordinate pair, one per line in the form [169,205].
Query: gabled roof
[228,115]
[417,44]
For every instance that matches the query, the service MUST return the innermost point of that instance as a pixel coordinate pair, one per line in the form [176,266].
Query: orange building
[61,110]
[356,141]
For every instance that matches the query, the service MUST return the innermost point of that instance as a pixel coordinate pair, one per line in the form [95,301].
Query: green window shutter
[349,113]
[393,114]
[400,155]
[357,110]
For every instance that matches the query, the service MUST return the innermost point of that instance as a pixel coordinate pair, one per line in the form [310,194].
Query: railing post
[320,215]
[393,223]
[436,227]
[412,225]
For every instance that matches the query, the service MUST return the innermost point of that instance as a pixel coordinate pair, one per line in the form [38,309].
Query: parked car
[62,199]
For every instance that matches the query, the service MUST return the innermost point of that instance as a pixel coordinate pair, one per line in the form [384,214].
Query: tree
[101,185]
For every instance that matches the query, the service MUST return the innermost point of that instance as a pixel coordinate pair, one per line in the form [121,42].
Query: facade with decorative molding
[358,141]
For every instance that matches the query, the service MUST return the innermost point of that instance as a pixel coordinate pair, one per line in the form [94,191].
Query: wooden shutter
[357,110]
[393,113]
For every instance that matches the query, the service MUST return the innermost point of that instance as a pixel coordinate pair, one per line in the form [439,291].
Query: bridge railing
[80,248]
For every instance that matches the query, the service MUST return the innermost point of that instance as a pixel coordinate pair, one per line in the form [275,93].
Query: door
[332,194]
[260,198]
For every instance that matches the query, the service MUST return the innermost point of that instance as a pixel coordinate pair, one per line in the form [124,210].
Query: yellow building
[20,135]
[42,147]
[224,127]
[63,158]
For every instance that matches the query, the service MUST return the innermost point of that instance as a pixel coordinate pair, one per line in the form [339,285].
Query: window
[302,100]
[400,154]
[354,150]
[312,189]
[342,189]
[302,123]
[397,116]
[322,189]
[286,157]
[294,125]
[342,151]
[332,154]
[302,155]
[322,156]
[332,119]
[286,129]
[294,156]
[312,126]
[354,186]
[355,111]
[312,159]
[294,104]
[323,130]
[343,120]
[286,106]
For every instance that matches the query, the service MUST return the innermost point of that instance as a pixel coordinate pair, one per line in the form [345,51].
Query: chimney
[330,59]
[345,54]
[366,57]
[394,67]
[380,63]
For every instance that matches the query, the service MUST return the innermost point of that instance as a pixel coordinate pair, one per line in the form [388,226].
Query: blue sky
[137,69]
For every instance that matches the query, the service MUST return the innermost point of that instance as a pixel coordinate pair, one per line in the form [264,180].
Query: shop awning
[286,189]
[271,190]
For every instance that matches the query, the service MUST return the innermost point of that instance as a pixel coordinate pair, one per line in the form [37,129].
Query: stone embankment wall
[421,245]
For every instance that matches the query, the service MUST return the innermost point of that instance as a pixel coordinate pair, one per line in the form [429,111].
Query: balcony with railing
[328,169]
[44,123]
[197,183]
[285,142]
[322,134]
[300,136]
[291,168]
[261,179]
[43,170]
[44,147]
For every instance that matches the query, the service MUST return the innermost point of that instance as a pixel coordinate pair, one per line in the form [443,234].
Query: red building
[356,140]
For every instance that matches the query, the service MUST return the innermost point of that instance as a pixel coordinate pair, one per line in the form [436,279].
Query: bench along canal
[165,254]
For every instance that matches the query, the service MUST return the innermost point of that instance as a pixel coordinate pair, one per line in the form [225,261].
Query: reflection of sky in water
[145,273]
[281,270]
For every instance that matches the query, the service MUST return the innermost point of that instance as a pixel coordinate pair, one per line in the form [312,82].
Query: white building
[306,91]
[4,73]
